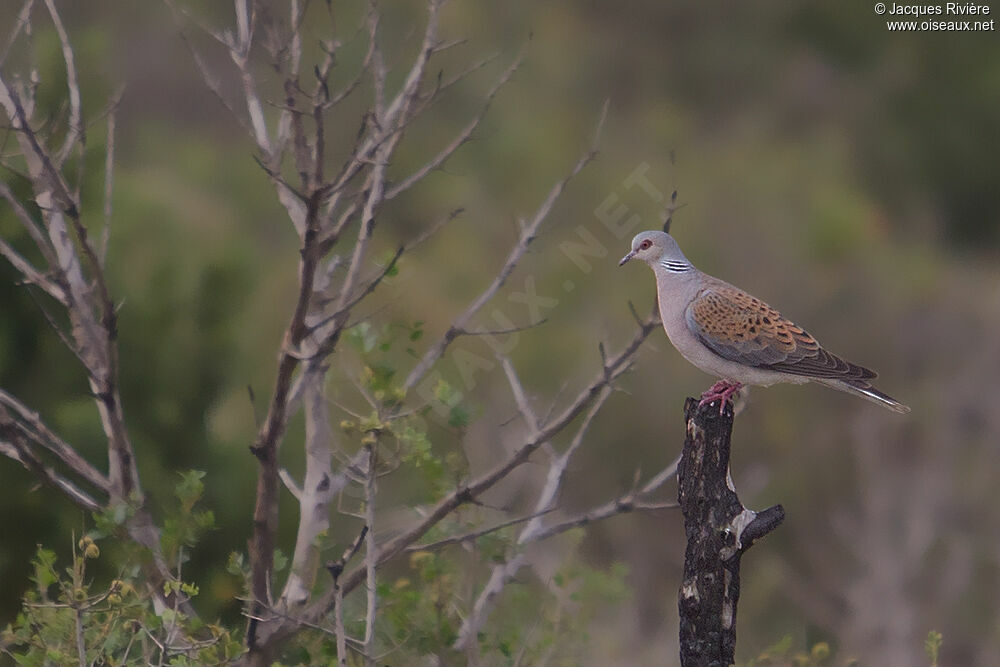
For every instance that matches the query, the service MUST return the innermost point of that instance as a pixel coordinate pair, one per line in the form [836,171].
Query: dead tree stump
[719,529]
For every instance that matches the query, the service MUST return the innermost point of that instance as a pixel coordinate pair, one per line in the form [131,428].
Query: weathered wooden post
[719,529]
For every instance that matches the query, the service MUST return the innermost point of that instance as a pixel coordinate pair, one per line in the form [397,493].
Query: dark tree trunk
[718,530]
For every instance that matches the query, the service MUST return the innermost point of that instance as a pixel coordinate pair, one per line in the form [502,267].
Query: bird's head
[656,248]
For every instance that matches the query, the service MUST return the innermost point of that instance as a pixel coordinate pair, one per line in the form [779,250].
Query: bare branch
[224,39]
[536,532]
[104,379]
[635,314]
[335,569]
[371,555]
[319,487]
[474,535]
[43,435]
[240,54]
[441,47]
[51,189]
[499,576]
[30,273]
[546,502]
[75,133]
[256,126]
[76,267]
[290,484]
[351,86]
[467,492]
[355,194]
[447,83]
[340,314]
[265,448]
[463,136]
[517,389]
[661,477]
[65,338]
[610,509]
[81,646]
[109,171]
[503,332]
[527,235]
[14,446]
[376,189]
[140,526]
[297,14]
[212,82]
[370,287]
[389,120]
[557,469]
[378,65]
[433,229]
[86,298]
[398,112]
[23,17]
[616,367]
[31,226]
[382,145]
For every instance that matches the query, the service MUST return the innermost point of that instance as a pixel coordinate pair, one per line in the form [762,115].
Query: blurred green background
[844,173]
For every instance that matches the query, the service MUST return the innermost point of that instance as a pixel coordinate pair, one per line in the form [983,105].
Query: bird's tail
[866,390]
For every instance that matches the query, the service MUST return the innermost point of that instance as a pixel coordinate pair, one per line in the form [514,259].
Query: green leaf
[393,269]
[445,393]
[204,520]
[459,416]
[932,646]
[190,489]
[45,573]
[280,560]
[236,565]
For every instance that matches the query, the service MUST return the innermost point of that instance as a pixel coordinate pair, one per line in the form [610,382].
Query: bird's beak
[626,258]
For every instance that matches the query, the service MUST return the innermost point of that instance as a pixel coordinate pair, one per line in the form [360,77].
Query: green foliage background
[842,172]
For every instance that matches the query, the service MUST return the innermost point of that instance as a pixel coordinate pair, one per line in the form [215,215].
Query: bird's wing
[744,329]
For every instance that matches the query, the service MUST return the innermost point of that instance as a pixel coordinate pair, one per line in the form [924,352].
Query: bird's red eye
[645,244]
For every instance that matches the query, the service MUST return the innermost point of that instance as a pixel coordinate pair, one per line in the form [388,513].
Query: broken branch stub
[719,530]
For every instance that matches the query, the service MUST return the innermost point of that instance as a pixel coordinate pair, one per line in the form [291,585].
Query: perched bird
[736,337]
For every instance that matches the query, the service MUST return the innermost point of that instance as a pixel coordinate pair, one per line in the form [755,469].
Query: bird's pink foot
[721,391]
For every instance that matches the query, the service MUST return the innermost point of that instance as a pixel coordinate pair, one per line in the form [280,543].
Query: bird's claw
[721,391]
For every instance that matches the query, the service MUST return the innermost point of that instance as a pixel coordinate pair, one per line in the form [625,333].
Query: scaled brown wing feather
[744,329]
